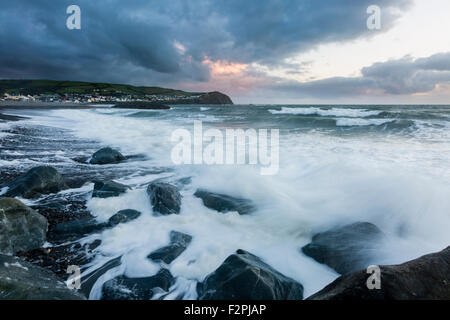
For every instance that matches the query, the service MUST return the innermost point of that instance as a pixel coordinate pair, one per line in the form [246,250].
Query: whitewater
[388,165]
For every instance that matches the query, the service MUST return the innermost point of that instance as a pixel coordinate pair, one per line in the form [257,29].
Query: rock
[244,276]
[164,198]
[36,181]
[107,156]
[124,288]
[107,189]
[81,159]
[77,228]
[224,203]
[346,249]
[21,228]
[20,280]
[123,216]
[425,278]
[58,258]
[62,208]
[178,243]
[82,227]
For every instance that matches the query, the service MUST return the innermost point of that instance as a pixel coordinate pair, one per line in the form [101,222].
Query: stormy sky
[257,51]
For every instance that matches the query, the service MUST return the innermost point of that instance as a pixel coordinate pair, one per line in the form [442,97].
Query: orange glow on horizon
[223,67]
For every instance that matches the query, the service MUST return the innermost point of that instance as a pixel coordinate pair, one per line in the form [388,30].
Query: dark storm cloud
[133,41]
[113,45]
[396,77]
[266,31]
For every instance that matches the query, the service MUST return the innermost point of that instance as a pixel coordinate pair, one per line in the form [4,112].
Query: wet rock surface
[77,228]
[58,258]
[107,156]
[21,228]
[20,280]
[123,216]
[244,276]
[36,181]
[178,244]
[124,288]
[62,209]
[224,203]
[164,198]
[425,278]
[107,189]
[346,249]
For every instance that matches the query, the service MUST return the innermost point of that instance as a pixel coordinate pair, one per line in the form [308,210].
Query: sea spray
[234,146]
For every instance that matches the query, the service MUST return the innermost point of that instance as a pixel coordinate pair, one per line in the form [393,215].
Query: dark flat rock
[178,244]
[107,189]
[224,203]
[123,216]
[77,228]
[85,226]
[124,288]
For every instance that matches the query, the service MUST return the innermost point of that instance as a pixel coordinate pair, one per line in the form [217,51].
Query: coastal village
[93,98]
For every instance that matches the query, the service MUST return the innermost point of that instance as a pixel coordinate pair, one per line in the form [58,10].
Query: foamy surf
[343,122]
[333,112]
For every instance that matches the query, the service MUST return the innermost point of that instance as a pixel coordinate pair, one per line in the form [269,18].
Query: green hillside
[36,87]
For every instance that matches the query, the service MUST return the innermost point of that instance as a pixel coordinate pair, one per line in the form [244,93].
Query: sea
[338,164]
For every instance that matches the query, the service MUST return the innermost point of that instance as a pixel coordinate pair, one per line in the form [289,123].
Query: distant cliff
[206,98]
[94,92]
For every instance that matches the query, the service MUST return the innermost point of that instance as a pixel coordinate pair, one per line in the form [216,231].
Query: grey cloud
[266,31]
[407,76]
[133,41]
[395,77]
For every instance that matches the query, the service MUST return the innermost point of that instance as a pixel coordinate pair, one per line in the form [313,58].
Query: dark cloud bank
[134,41]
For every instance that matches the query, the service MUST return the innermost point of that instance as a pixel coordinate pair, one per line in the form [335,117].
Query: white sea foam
[349,122]
[333,112]
[3,190]
[11,163]
[4,126]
